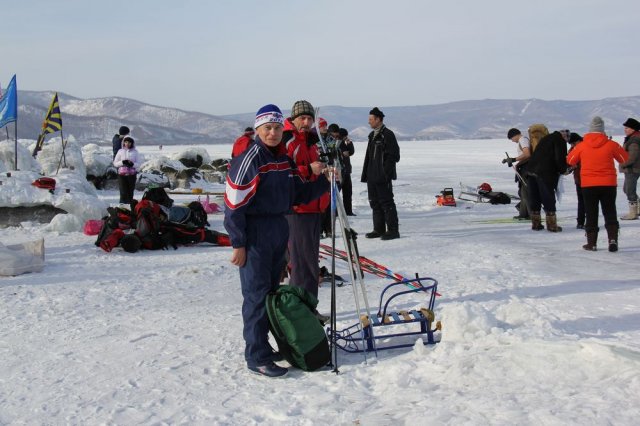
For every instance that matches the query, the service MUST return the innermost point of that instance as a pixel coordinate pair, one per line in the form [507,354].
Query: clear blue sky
[226,57]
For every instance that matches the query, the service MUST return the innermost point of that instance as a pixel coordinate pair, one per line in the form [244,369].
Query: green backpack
[300,336]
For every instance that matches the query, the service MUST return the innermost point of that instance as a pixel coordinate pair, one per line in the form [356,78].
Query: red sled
[446,198]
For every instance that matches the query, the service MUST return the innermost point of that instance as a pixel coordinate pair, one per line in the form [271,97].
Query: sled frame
[360,337]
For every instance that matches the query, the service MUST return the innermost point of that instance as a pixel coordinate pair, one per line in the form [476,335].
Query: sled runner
[484,194]
[392,327]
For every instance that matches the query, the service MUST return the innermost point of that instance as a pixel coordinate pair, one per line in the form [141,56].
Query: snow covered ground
[535,329]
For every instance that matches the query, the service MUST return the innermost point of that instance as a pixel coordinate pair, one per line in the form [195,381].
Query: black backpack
[158,195]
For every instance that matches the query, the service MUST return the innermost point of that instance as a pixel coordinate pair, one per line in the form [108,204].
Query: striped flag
[52,123]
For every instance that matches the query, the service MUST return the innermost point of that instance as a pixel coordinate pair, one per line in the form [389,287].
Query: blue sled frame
[361,337]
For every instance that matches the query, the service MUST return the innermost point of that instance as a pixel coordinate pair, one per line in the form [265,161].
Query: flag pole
[15,128]
[62,156]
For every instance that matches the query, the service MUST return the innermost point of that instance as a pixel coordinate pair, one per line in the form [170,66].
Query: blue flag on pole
[9,104]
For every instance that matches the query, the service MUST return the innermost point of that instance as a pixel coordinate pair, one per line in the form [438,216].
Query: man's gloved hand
[127,163]
[509,161]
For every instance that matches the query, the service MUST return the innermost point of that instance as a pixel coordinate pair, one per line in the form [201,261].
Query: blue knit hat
[268,114]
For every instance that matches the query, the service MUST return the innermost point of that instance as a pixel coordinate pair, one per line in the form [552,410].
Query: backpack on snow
[149,217]
[158,195]
[301,338]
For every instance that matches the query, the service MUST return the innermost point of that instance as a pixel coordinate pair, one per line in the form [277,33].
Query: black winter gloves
[127,163]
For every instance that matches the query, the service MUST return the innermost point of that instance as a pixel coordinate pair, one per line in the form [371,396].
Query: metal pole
[15,164]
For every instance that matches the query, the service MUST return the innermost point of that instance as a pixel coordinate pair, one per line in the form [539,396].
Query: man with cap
[598,179]
[546,164]
[305,221]
[631,167]
[117,139]
[574,140]
[242,143]
[378,172]
[524,152]
[262,186]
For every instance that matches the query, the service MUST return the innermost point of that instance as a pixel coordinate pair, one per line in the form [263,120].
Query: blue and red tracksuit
[262,186]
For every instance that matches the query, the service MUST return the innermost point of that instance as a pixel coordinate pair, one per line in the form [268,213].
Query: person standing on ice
[378,172]
[262,186]
[305,221]
[598,178]
[127,161]
[546,164]
[346,149]
[631,168]
[116,142]
[524,152]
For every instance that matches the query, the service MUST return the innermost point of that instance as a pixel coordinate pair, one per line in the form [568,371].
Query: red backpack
[45,183]
[149,217]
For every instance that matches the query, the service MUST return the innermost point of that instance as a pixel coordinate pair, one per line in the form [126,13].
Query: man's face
[516,138]
[303,123]
[270,133]
[335,135]
[628,131]
[374,121]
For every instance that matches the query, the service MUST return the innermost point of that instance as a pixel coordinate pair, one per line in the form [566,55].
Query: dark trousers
[126,184]
[541,193]
[383,207]
[581,214]
[630,186]
[304,248]
[523,205]
[347,191]
[266,246]
[605,196]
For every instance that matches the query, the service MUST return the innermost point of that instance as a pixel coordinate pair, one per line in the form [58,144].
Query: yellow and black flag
[52,123]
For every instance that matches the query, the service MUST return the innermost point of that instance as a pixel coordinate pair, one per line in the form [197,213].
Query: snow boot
[536,221]
[612,235]
[269,370]
[391,234]
[552,222]
[592,239]
[633,211]
[374,234]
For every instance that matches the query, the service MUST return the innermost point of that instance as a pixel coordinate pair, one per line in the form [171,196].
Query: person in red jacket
[598,178]
[304,223]
[243,142]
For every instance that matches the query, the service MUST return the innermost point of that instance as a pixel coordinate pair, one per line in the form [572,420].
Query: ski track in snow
[535,329]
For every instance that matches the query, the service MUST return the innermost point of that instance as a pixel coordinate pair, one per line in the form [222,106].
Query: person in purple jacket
[262,186]
[127,161]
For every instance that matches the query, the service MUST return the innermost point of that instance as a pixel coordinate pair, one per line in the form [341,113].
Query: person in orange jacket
[598,178]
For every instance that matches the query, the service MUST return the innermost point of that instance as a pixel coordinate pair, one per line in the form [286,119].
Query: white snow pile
[97,159]
[73,193]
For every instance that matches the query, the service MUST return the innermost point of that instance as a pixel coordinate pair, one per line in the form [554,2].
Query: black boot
[391,234]
[592,239]
[612,235]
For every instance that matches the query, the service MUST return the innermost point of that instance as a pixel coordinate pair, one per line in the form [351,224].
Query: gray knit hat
[302,108]
[597,125]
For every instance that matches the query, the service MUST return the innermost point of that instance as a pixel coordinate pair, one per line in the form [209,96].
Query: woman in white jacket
[127,161]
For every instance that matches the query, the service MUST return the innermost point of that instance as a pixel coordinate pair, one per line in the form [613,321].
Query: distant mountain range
[97,120]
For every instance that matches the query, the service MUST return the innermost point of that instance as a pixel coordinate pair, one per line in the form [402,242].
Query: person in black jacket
[378,171]
[345,149]
[117,139]
[548,161]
